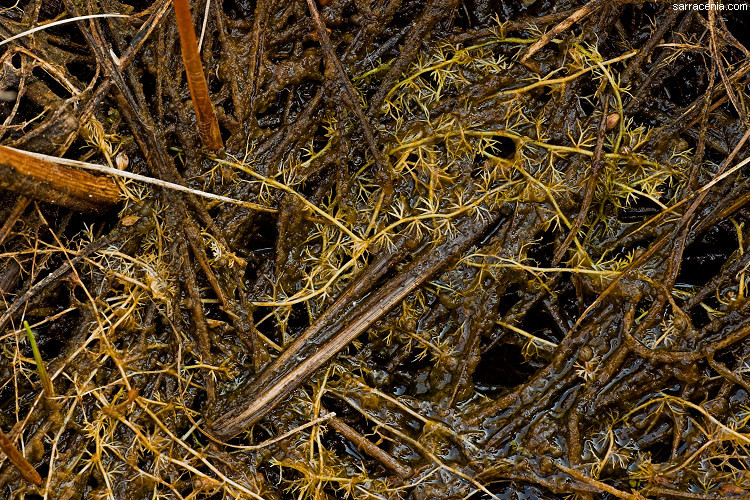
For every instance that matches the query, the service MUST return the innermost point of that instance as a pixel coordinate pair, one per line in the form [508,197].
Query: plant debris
[448,249]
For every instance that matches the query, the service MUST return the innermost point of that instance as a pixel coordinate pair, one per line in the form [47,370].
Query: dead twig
[322,340]
[54,183]
[718,61]
[21,204]
[55,275]
[353,99]
[23,466]
[578,15]
[588,195]
[367,446]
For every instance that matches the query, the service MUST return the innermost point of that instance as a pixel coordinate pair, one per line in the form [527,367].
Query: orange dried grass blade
[208,126]
[27,470]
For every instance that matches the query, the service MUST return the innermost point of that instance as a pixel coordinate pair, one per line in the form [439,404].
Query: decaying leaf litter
[520,225]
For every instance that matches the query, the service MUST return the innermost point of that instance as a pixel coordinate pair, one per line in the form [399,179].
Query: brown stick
[369,447]
[323,340]
[717,57]
[208,126]
[588,195]
[55,275]
[54,183]
[353,98]
[21,204]
[567,23]
[27,470]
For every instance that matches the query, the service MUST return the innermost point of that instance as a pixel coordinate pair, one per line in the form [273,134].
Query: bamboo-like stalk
[208,126]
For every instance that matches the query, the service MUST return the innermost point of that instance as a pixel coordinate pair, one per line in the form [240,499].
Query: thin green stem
[49,391]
